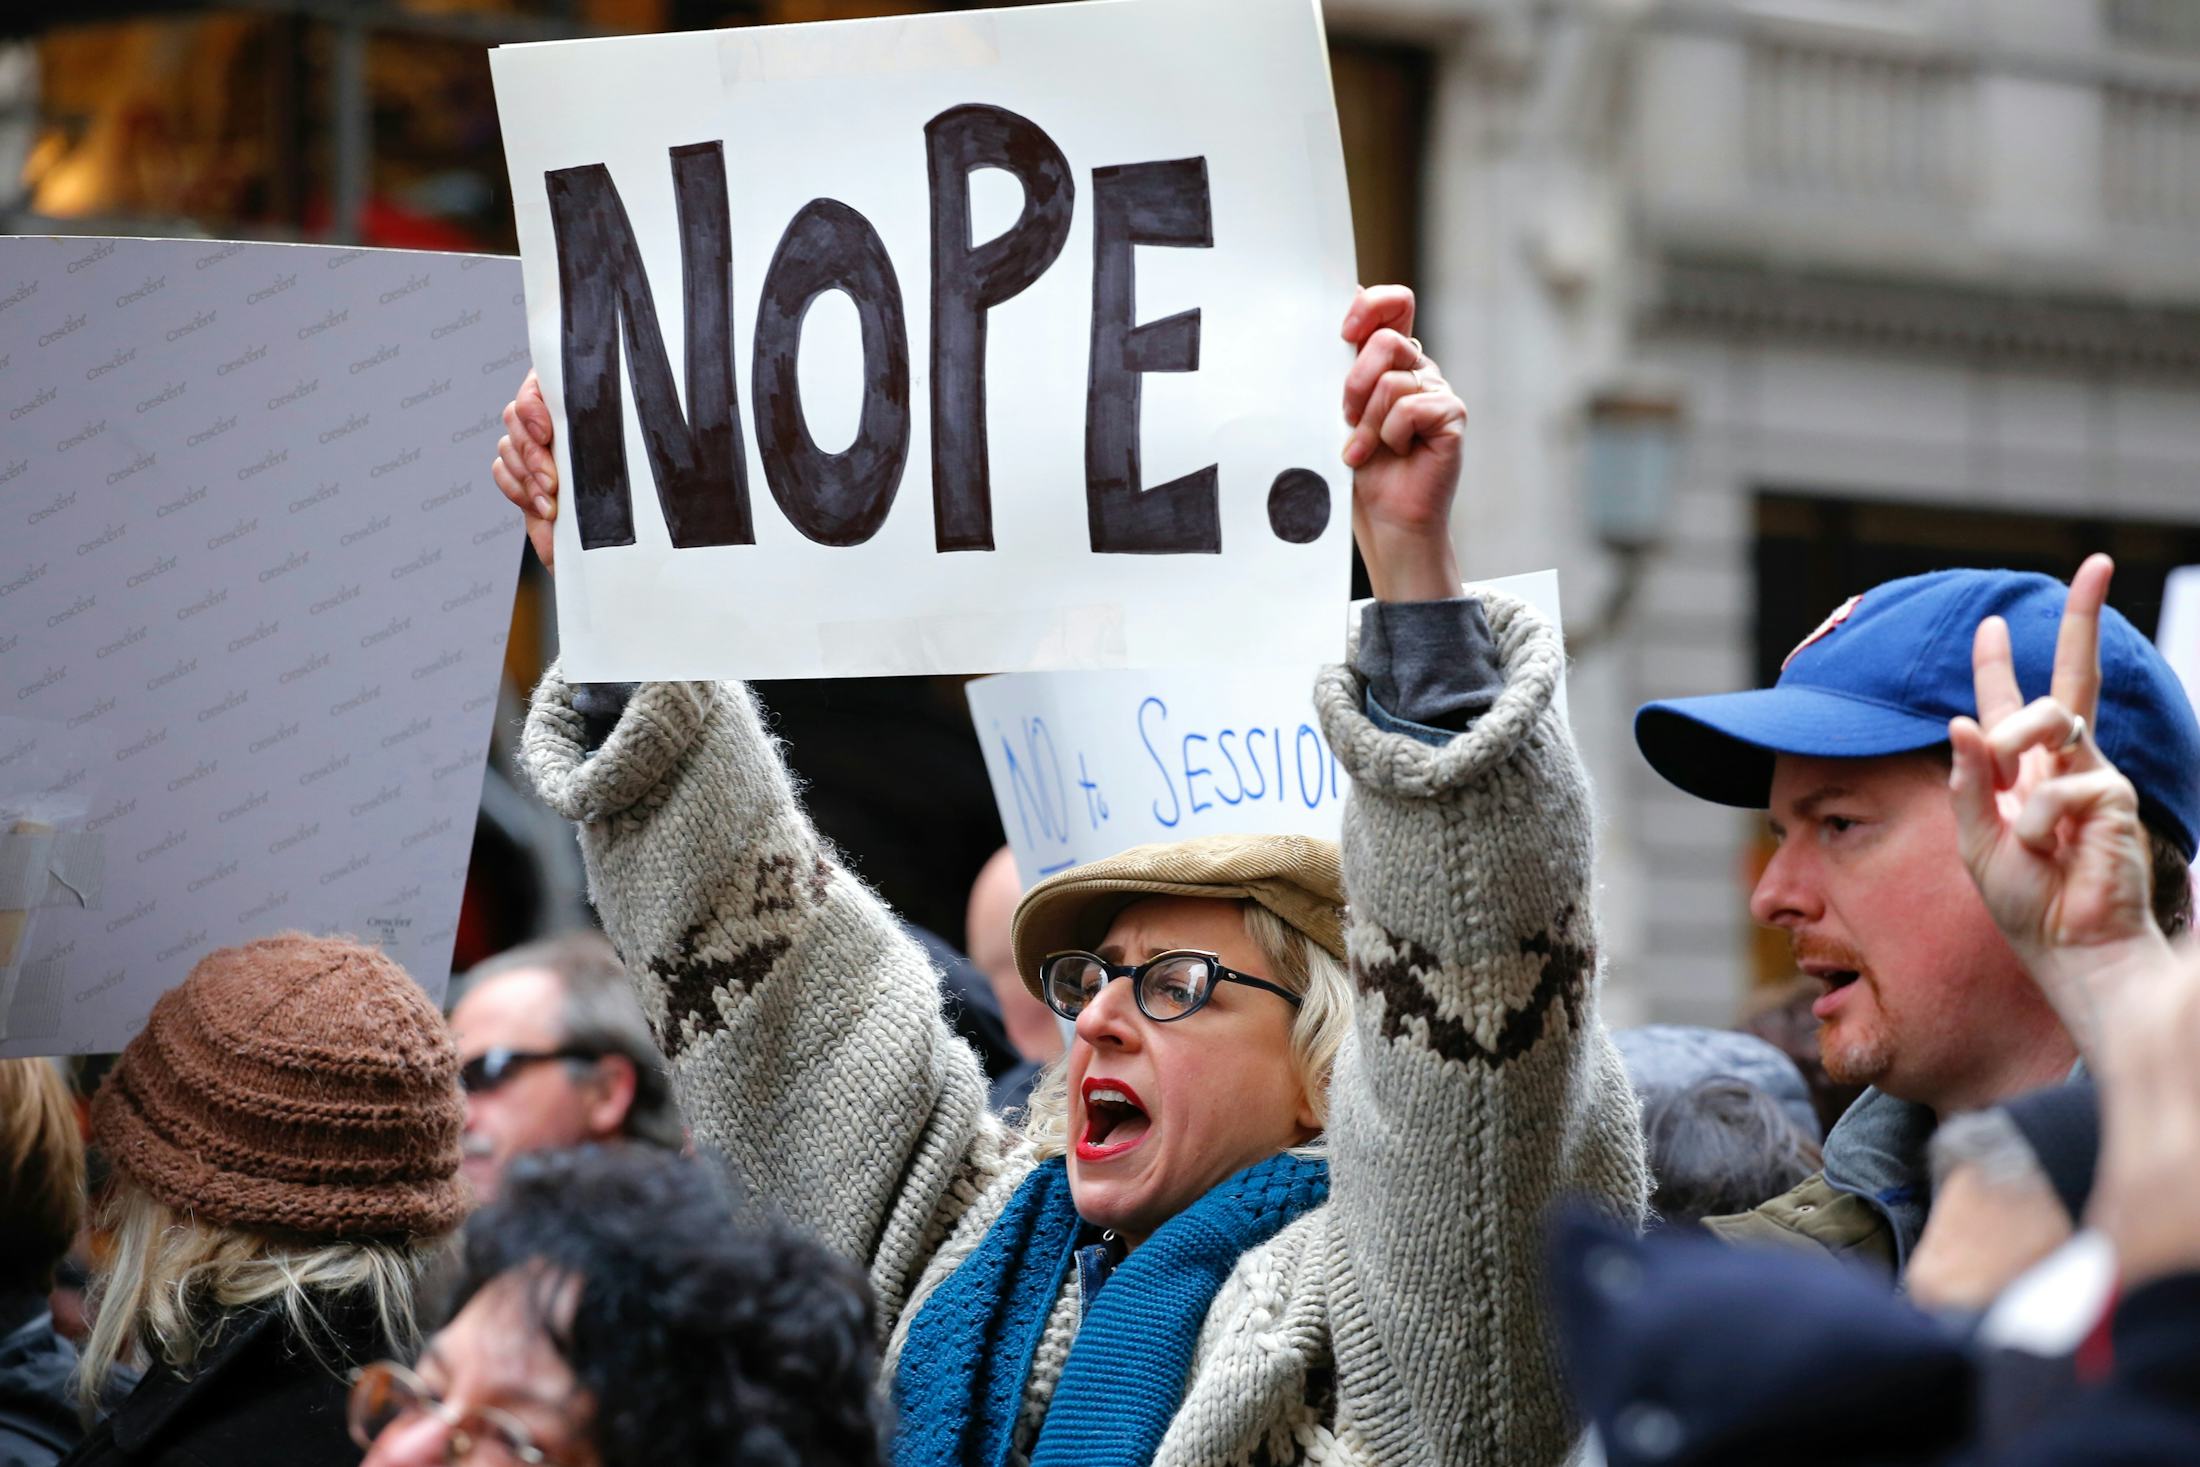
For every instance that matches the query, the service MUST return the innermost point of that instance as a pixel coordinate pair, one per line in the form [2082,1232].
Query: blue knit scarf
[970,1347]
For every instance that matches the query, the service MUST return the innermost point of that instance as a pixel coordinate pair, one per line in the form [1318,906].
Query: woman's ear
[1309,1123]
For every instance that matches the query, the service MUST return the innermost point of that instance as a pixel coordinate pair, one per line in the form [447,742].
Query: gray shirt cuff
[600,706]
[1431,666]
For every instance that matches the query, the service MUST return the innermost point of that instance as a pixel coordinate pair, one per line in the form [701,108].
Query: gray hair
[1721,1146]
[601,1016]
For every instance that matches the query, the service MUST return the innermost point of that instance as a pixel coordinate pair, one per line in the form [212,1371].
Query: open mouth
[1836,981]
[1115,1120]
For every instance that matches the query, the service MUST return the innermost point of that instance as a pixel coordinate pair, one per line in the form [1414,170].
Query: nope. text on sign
[1039,309]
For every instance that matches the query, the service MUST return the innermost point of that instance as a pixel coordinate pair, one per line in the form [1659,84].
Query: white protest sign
[2179,634]
[1086,764]
[254,587]
[984,341]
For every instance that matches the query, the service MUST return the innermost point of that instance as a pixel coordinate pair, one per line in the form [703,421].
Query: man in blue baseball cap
[1924,1001]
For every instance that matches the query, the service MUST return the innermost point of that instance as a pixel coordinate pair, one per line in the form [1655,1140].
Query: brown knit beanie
[297,1085]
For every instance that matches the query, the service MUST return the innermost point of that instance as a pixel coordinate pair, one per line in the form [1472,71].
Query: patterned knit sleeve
[803,1026]
[1478,1085]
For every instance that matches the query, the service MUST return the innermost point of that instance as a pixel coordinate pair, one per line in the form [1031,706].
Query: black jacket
[1686,1354]
[2147,1413]
[38,1419]
[261,1397]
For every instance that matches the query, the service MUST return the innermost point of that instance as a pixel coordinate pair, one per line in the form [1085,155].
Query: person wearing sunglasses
[616,1307]
[1281,1199]
[553,1052]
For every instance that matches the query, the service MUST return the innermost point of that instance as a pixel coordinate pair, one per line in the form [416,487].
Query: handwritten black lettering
[1133,204]
[968,281]
[832,498]
[698,461]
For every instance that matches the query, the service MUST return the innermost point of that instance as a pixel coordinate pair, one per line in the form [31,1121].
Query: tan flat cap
[1294,876]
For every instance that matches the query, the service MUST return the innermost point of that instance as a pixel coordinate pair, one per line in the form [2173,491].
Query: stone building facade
[1756,303]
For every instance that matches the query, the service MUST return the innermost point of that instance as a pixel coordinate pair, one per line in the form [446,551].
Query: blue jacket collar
[1876,1152]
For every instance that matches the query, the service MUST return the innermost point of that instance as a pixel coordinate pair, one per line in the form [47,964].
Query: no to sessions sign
[1086,764]
[956,343]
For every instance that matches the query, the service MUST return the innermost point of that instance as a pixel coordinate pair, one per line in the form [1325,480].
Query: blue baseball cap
[1887,670]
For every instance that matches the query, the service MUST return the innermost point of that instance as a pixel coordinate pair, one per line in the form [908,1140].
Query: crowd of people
[1348,1170]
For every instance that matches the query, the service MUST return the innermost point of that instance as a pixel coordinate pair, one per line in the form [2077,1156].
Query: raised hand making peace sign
[2050,829]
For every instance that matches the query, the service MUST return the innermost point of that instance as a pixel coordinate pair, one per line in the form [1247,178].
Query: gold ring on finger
[1418,384]
[1419,355]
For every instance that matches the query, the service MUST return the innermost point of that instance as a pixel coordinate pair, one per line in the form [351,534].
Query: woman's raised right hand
[524,468]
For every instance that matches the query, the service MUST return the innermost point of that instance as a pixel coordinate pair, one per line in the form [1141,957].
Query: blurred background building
[1754,303]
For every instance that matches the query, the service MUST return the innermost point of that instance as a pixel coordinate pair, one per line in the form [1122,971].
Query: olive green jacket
[1812,1218]
[1869,1203]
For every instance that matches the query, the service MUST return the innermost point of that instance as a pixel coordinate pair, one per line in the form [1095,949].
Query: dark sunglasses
[492,1067]
[1168,986]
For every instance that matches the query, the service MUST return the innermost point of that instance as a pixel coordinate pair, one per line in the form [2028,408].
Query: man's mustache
[1825,952]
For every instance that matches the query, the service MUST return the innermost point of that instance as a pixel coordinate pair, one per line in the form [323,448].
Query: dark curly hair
[703,1337]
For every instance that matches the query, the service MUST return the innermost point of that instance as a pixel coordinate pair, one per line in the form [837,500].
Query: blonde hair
[1295,961]
[173,1282]
[41,1173]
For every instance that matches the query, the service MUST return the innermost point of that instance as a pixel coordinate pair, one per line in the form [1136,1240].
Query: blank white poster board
[254,586]
[2179,634]
[984,341]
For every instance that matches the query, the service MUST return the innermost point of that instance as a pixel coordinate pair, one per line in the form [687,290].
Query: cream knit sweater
[1401,1322]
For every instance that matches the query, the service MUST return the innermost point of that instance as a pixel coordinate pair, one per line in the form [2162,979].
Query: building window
[1814,551]
[1857,123]
[2153,23]
[2150,155]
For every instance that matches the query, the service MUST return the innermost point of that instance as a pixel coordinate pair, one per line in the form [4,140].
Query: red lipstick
[1115,1119]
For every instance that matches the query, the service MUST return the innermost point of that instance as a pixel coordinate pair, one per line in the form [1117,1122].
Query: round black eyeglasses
[1168,986]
